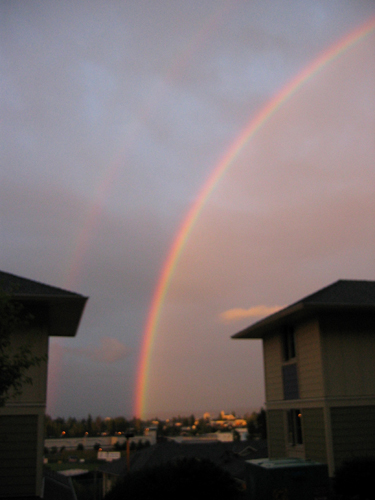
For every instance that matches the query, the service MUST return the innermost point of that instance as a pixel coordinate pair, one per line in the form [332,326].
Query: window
[294,427]
[289,348]
[290,381]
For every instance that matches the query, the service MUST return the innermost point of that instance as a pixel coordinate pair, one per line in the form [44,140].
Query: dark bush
[355,479]
[80,447]
[185,478]
[133,446]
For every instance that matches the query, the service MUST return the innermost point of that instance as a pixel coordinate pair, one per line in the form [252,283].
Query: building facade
[54,312]
[319,374]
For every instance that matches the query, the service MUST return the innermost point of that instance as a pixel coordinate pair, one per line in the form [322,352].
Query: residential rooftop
[343,295]
[61,308]
[23,287]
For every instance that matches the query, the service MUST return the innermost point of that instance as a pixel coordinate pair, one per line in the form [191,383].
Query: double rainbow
[217,174]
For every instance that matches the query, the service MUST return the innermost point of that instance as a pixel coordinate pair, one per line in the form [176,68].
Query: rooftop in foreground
[62,308]
[348,295]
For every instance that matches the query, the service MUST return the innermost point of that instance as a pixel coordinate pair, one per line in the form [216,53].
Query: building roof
[64,308]
[57,486]
[231,456]
[343,295]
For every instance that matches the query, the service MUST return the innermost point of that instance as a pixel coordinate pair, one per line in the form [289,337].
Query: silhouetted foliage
[186,478]
[355,479]
[85,427]
[252,430]
[257,425]
[236,436]
[14,362]
[262,423]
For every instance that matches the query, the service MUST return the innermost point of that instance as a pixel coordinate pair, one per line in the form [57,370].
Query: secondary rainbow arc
[218,172]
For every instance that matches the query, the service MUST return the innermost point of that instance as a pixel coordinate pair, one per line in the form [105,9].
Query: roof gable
[23,287]
[64,308]
[341,295]
[344,292]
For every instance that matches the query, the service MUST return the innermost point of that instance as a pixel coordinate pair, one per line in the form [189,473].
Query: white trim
[286,404]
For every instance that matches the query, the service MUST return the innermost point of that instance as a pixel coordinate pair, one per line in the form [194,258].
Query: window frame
[289,343]
[294,427]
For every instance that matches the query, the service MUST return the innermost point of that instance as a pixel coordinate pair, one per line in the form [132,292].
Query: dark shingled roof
[23,287]
[343,295]
[64,309]
[231,456]
[57,487]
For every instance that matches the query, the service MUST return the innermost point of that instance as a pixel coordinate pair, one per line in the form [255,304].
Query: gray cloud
[109,350]
[113,117]
[253,312]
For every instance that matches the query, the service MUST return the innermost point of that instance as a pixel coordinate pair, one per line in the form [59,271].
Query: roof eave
[64,311]
[297,311]
[260,328]
[65,316]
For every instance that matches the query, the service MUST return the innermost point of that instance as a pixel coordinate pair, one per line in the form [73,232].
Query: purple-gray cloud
[114,114]
[237,313]
[109,350]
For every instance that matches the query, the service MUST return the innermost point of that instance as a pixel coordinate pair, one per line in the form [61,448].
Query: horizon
[240,411]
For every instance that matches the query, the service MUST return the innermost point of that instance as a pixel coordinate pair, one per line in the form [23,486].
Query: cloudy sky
[114,114]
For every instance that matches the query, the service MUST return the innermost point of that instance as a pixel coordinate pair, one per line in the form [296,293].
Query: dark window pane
[289,348]
[290,382]
[294,427]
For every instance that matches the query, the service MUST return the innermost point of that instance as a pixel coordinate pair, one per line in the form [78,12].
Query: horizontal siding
[353,432]
[314,434]
[18,455]
[272,368]
[34,393]
[290,381]
[349,353]
[276,434]
[310,373]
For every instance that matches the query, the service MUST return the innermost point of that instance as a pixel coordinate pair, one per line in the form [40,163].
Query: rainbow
[217,174]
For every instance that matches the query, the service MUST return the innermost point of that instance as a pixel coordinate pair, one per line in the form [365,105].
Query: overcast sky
[113,116]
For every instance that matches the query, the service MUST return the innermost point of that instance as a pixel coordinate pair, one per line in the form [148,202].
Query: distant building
[228,421]
[55,312]
[319,358]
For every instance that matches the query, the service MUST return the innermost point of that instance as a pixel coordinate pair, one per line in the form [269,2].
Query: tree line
[73,427]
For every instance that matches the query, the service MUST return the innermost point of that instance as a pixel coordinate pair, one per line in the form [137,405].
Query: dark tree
[354,480]
[262,423]
[14,362]
[186,478]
